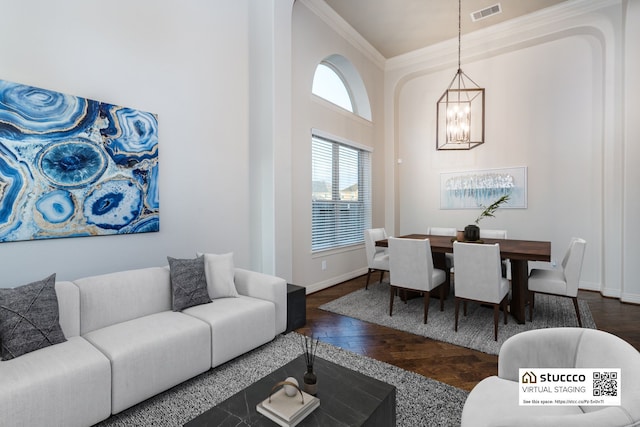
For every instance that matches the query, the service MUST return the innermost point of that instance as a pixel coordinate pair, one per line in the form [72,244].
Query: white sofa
[125,344]
[494,401]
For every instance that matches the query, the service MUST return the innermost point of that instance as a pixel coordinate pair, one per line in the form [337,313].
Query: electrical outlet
[324,265]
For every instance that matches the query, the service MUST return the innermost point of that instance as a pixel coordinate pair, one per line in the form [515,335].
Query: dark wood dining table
[519,253]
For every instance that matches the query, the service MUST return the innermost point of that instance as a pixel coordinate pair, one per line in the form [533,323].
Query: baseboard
[630,298]
[589,286]
[609,292]
[335,280]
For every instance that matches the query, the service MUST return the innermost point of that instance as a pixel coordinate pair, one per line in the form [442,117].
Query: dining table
[518,252]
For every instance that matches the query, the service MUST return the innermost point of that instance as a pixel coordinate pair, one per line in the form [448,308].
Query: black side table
[296,307]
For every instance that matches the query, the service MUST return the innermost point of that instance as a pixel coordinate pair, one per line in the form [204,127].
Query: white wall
[630,290]
[185,61]
[270,136]
[539,114]
[314,40]
[554,103]
[236,178]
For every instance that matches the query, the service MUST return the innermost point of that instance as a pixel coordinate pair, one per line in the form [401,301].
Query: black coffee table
[347,398]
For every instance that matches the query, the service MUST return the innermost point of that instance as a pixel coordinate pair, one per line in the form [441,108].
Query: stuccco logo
[529,378]
[563,378]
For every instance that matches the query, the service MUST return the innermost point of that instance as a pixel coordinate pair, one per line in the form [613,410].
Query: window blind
[341,193]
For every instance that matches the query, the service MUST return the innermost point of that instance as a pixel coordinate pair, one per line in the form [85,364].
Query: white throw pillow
[219,271]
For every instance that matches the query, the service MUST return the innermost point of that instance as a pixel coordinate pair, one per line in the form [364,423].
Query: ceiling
[395,27]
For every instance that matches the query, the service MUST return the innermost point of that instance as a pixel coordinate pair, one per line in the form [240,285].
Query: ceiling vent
[486,12]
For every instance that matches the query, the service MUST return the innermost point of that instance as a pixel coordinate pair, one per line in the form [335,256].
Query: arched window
[328,84]
[337,81]
[341,169]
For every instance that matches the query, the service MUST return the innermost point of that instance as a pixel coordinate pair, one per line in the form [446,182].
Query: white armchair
[377,257]
[411,267]
[479,278]
[562,282]
[494,400]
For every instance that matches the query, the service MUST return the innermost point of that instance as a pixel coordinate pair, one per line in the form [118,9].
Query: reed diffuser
[310,381]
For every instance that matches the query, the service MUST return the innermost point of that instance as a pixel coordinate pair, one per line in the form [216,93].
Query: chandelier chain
[460,112]
[459,29]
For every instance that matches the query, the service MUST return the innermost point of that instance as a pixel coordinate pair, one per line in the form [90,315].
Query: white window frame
[336,222]
[333,94]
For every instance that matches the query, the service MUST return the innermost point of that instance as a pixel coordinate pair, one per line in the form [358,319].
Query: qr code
[605,383]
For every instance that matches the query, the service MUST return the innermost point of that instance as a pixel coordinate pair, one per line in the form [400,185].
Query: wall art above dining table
[478,188]
[72,166]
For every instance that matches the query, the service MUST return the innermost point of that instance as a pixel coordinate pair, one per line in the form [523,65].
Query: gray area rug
[420,401]
[474,331]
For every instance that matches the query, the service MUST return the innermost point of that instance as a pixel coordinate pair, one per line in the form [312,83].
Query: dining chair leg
[456,315]
[366,285]
[496,316]
[426,306]
[392,293]
[464,308]
[575,304]
[381,275]
[531,302]
[504,308]
[442,297]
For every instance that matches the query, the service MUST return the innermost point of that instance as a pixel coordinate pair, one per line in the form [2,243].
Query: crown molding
[502,35]
[340,26]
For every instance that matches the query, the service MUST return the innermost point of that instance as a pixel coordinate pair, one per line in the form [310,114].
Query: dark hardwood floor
[448,363]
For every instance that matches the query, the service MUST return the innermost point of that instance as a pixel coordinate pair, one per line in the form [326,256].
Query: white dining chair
[411,268]
[441,231]
[444,231]
[479,278]
[562,282]
[377,256]
[486,233]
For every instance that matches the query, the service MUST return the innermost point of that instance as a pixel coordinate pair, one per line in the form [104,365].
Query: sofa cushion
[152,354]
[68,384]
[188,283]
[69,306]
[29,318]
[219,271]
[237,325]
[266,287]
[124,295]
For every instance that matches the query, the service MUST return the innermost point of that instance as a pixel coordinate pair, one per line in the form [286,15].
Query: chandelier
[460,110]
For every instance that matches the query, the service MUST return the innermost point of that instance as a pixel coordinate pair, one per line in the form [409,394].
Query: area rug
[475,331]
[420,401]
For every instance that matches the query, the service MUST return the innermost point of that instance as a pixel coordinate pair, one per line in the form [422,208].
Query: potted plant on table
[472,231]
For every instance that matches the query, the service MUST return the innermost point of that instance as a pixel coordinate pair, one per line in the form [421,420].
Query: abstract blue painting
[72,167]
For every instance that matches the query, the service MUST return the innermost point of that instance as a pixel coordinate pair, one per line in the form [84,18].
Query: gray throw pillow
[188,283]
[29,318]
